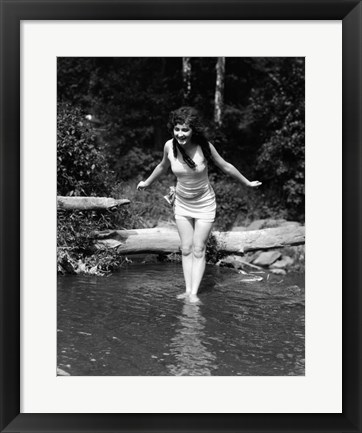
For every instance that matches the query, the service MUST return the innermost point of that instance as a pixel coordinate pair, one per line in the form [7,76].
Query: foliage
[131,97]
[230,202]
[137,162]
[147,208]
[74,80]
[239,205]
[213,254]
[74,233]
[82,169]
[278,109]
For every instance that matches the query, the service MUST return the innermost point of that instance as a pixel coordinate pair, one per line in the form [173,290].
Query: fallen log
[265,239]
[166,240]
[89,203]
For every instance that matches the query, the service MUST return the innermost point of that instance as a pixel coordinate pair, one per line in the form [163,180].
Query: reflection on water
[132,324]
[191,355]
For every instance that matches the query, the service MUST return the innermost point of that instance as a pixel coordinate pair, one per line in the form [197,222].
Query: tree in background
[219,90]
[186,75]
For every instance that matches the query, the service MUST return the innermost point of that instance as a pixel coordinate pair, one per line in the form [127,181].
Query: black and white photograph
[180,216]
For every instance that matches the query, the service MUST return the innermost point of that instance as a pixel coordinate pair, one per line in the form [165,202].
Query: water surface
[131,324]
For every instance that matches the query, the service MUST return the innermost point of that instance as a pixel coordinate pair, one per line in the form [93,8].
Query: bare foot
[194,299]
[183,295]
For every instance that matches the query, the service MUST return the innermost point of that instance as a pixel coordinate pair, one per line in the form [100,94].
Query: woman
[189,153]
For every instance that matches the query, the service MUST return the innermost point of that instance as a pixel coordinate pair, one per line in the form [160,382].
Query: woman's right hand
[141,186]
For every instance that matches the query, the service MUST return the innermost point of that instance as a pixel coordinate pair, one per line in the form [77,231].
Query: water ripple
[131,324]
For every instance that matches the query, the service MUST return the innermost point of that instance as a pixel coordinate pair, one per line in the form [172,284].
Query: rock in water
[232,261]
[284,262]
[278,271]
[61,372]
[267,258]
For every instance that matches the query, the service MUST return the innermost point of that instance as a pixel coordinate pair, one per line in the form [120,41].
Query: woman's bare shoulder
[168,145]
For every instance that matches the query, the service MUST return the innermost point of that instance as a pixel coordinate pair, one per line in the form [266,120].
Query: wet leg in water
[202,231]
[186,232]
[193,235]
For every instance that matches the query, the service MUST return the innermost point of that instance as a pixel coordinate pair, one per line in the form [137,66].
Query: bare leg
[201,234]
[186,232]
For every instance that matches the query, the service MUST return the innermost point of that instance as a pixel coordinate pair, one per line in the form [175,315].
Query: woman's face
[182,133]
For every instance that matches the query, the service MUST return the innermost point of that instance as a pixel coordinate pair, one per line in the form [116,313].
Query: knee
[199,251]
[186,250]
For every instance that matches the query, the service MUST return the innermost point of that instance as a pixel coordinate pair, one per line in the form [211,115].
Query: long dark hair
[190,117]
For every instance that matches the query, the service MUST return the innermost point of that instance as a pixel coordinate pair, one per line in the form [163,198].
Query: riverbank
[107,257]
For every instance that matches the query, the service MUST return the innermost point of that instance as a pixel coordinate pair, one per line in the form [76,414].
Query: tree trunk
[165,240]
[186,76]
[89,203]
[219,90]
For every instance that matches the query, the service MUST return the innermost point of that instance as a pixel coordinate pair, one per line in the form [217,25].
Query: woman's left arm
[229,169]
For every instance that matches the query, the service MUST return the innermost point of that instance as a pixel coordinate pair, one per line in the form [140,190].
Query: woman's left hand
[254,184]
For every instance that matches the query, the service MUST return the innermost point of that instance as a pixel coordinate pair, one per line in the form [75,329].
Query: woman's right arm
[161,168]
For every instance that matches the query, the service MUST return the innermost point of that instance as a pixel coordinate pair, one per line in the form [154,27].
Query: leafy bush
[278,109]
[74,233]
[230,199]
[82,169]
[137,162]
[239,205]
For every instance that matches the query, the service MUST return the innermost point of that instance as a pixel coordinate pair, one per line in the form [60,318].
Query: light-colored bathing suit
[195,197]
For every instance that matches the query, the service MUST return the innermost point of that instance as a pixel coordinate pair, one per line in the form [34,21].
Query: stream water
[132,324]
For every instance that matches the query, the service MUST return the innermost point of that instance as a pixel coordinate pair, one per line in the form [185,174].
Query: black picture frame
[12,12]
